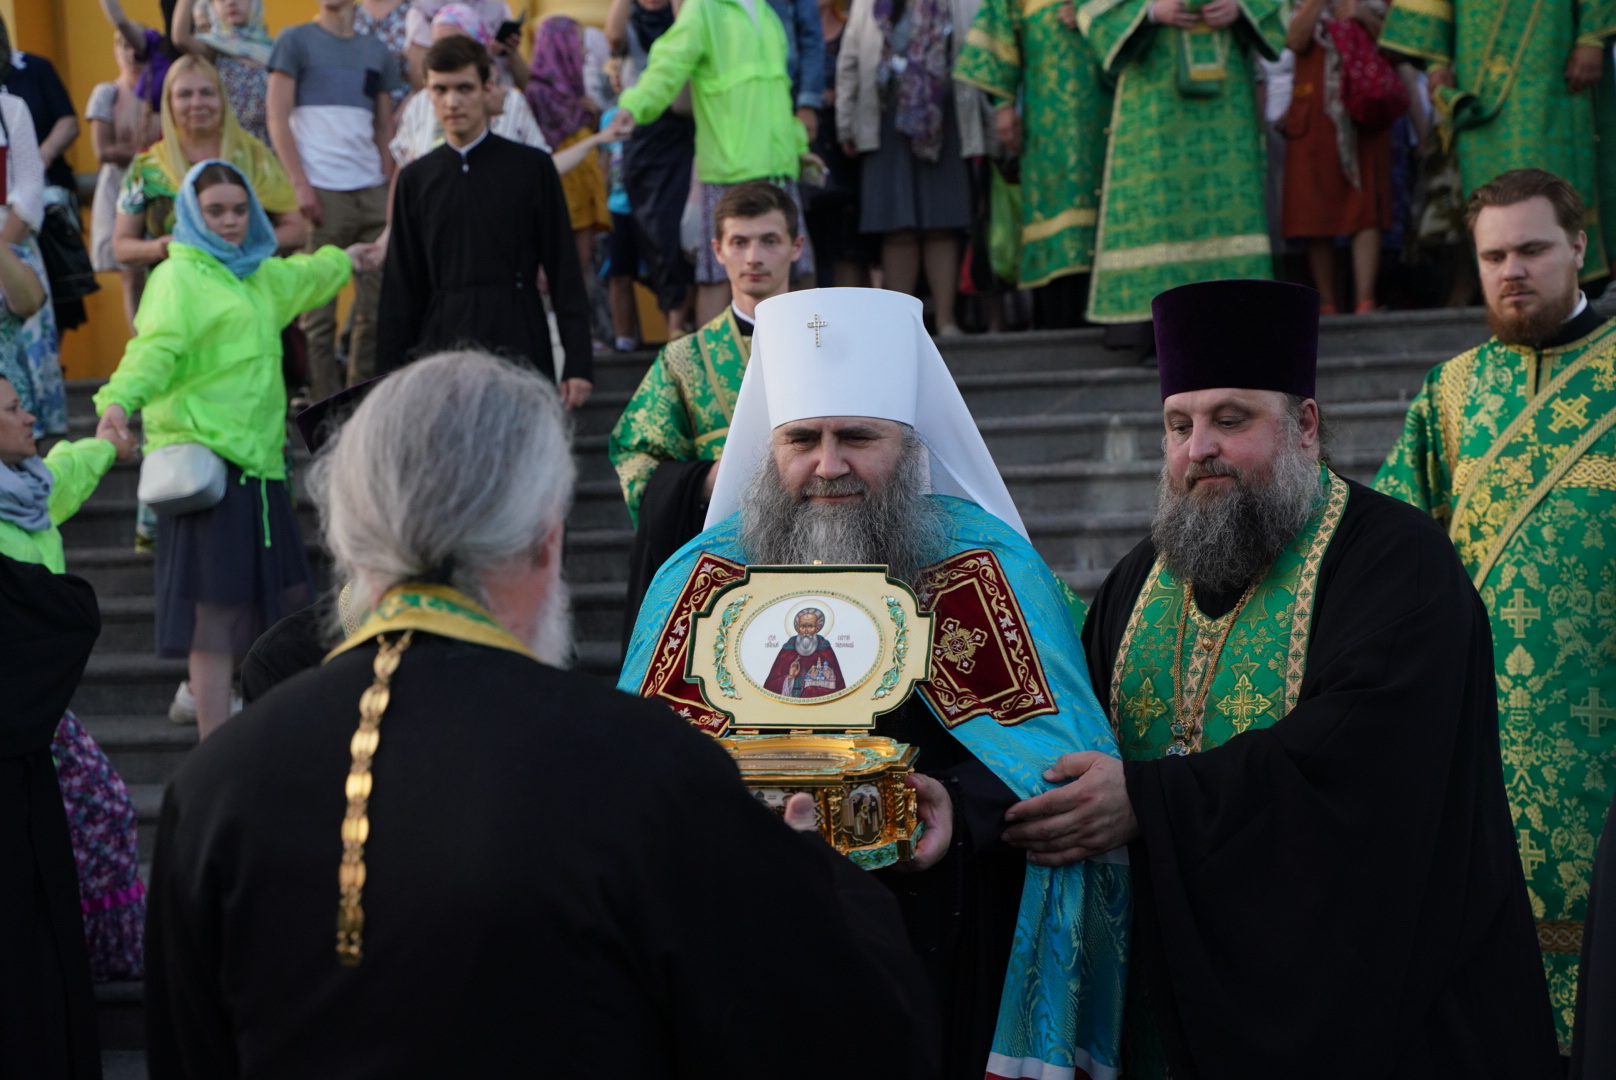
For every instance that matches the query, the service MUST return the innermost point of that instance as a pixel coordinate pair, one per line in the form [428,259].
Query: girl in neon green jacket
[205,367]
[38,495]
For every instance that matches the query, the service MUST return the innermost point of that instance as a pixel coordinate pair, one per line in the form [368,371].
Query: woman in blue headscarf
[205,367]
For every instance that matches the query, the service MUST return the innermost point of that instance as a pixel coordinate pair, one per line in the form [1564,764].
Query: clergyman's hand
[1221,13]
[1067,14]
[1172,13]
[1587,63]
[1088,817]
[575,393]
[1439,78]
[937,812]
[1007,125]
[800,812]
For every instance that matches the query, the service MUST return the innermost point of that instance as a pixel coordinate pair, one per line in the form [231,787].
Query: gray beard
[807,644]
[552,630]
[1226,541]
[895,524]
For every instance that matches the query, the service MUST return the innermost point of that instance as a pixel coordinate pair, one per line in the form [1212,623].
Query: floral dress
[28,356]
[390,29]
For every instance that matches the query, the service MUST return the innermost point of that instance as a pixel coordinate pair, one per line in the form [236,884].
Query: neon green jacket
[205,363]
[76,468]
[745,126]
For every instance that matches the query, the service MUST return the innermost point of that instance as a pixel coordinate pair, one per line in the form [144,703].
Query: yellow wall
[78,40]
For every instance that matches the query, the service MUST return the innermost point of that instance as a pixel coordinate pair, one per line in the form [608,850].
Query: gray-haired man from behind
[522,866]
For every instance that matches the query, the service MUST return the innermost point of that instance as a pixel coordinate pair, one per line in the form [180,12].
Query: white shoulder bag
[181,478]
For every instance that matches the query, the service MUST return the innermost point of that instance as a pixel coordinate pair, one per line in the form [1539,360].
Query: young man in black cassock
[48,625]
[473,222]
[527,872]
[1325,879]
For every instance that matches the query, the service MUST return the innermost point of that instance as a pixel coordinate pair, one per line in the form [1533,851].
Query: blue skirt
[219,583]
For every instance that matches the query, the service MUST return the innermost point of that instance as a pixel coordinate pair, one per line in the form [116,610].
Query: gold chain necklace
[356,825]
[1187,728]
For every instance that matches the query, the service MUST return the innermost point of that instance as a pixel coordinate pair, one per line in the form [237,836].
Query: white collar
[18,59]
[1582,305]
[469,147]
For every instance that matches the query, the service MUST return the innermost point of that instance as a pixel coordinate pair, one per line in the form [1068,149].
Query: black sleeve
[672,511]
[559,252]
[1365,835]
[48,625]
[769,941]
[406,279]
[57,101]
[189,1035]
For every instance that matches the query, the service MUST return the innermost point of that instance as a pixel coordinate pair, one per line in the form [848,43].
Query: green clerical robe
[1023,45]
[682,409]
[1511,108]
[1184,175]
[1512,449]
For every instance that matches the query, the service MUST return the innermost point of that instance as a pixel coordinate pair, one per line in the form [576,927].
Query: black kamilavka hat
[1251,335]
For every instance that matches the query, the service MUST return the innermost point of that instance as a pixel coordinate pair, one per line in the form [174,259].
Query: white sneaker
[183,708]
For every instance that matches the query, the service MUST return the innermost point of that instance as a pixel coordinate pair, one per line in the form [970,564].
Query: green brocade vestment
[1511,108]
[1512,449]
[682,409]
[1183,683]
[1185,174]
[1022,45]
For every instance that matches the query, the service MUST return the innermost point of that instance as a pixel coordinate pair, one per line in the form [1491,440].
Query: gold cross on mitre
[816,326]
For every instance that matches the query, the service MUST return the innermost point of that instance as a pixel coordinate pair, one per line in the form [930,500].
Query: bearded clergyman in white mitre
[850,444]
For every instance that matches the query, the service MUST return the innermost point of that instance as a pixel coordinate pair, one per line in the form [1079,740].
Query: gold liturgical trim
[356,823]
[1223,247]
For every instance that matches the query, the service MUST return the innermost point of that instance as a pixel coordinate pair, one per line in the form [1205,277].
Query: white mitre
[855,352]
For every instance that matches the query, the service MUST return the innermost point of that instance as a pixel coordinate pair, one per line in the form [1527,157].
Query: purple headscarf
[925,82]
[556,91]
[466,18]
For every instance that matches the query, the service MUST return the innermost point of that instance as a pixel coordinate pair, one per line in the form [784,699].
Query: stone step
[145,749]
[127,684]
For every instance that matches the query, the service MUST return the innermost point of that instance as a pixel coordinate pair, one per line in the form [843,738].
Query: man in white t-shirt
[331,116]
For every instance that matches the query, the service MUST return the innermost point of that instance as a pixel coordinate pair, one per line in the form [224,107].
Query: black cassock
[48,625]
[469,236]
[562,881]
[1339,894]
[1593,1043]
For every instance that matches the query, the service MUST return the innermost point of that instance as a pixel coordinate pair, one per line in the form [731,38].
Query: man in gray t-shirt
[331,117]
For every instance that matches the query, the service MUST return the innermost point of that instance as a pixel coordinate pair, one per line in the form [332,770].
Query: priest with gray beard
[1300,674]
[850,444]
[440,854]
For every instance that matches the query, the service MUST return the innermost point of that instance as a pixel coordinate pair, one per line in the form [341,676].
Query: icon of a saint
[807,666]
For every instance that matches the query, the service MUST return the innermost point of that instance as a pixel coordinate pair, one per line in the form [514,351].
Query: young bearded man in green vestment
[1184,175]
[1511,80]
[668,439]
[1300,676]
[1026,47]
[1510,446]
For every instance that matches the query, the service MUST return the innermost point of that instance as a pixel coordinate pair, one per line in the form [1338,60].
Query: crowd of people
[1366,727]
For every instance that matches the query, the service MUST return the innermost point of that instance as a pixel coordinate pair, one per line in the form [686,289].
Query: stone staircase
[1074,427]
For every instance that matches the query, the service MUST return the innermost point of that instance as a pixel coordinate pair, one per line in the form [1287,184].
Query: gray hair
[448,468]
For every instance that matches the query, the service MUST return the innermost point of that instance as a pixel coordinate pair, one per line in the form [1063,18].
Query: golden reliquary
[802,660]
